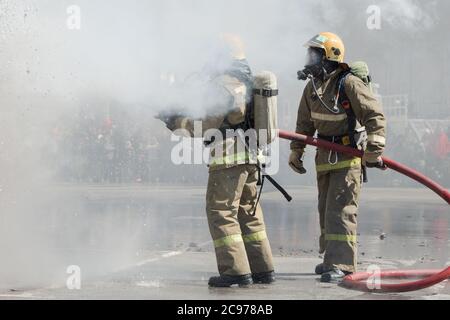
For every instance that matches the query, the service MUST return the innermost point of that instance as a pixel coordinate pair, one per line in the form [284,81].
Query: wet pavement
[134,242]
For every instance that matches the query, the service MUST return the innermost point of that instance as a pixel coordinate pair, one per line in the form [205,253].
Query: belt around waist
[343,140]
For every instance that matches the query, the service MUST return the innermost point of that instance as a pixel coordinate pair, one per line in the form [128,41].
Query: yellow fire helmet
[332,45]
[234,44]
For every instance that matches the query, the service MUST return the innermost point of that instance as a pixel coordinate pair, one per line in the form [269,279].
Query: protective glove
[373,160]
[296,161]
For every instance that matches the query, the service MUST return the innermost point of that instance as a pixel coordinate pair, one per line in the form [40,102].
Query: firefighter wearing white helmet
[234,215]
[337,105]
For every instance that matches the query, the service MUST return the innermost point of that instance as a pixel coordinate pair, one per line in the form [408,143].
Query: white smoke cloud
[409,14]
[122,53]
[127,52]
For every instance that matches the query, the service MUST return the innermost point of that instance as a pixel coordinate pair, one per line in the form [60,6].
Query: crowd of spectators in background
[111,145]
[428,153]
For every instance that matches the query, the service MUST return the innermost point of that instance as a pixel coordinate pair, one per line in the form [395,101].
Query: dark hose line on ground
[358,281]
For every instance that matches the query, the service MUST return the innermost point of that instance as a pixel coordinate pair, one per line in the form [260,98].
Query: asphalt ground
[136,242]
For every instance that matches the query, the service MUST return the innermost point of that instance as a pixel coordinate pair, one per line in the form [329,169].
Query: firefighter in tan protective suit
[235,217]
[336,104]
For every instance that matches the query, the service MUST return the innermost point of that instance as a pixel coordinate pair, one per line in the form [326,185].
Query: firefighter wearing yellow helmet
[234,215]
[337,105]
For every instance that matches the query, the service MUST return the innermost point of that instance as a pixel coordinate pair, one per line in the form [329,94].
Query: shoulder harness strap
[345,103]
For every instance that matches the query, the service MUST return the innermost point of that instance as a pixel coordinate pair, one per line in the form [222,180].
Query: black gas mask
[313,64]
[316,65]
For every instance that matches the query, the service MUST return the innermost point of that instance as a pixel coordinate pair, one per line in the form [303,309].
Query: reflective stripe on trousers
[340,237]
[237,238]
[255,237]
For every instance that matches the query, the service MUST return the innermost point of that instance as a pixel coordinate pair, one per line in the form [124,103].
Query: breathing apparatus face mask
[218,60]
[313,65]
[314,56]
[216,66]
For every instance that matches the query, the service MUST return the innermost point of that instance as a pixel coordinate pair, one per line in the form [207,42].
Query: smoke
[409,14]
[133,55]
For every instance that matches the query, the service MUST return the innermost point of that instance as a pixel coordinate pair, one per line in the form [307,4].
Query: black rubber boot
[264,277]
[225,281]
[334,275]
[320,269]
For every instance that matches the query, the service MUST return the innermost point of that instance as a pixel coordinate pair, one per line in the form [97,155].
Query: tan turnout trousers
[338,209]
[240,239]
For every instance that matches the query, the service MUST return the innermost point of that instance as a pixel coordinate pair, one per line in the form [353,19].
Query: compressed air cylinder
[265,92]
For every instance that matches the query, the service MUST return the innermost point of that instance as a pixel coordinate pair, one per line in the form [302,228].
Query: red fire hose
[358,281]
